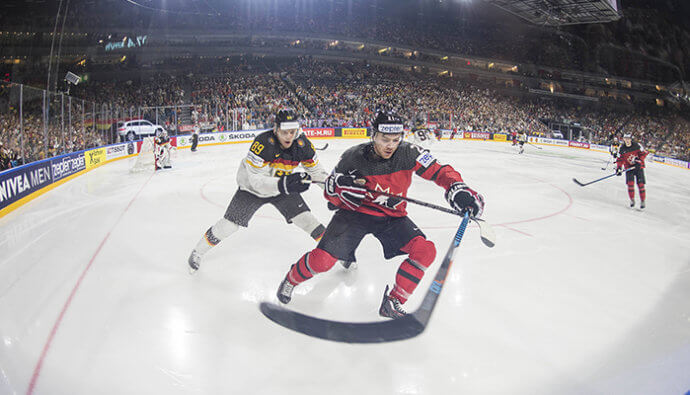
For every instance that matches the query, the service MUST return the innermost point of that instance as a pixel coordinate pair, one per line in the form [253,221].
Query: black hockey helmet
[287,119]
[386,122]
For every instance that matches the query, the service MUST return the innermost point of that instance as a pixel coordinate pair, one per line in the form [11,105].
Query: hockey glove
[348,188]
[463,198]
[293,183]
[619,171]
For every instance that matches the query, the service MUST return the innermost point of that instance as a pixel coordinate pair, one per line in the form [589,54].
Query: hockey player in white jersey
[162,149]
[266,175]
[421,135]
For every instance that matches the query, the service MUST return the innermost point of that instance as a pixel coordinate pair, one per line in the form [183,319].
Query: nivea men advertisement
[22,181]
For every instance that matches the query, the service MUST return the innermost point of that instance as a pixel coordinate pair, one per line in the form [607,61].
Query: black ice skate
[642,205]
[632,202]
[194,261]
[285,291]
[167,167]
[391,306]
[348,264]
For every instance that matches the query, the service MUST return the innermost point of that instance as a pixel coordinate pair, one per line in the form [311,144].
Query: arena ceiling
[561,12]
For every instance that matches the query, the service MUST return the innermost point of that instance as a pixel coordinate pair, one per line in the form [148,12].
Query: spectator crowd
[327,94]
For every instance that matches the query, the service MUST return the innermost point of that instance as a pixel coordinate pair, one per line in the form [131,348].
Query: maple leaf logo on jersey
[383,200]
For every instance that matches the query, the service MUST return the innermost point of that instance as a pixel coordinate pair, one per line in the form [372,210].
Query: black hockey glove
[619,171]
[293,183]
[348,188]
[462,198]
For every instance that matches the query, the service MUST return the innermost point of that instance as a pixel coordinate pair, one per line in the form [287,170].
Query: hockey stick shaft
[486,232]
[600,179]
[407,199]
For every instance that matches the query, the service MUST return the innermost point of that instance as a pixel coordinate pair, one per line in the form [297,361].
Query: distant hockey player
[438,133]
[195,137]
[522,139]
[614,149]
[162,150]
[266,175]
[386,163]
[513,137]
[421,135]
[632,155]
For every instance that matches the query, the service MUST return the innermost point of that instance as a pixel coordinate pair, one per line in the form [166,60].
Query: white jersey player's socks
[222,229]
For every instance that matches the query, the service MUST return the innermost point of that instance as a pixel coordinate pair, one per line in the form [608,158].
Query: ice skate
[285,291]
[391,306]
[194,261]
[632,202]
[348,265]
[642,205]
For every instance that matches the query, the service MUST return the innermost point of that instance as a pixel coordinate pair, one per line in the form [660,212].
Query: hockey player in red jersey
[631,154]
[266,176]
[386,163]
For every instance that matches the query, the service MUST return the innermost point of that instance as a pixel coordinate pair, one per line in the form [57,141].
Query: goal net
[146,160]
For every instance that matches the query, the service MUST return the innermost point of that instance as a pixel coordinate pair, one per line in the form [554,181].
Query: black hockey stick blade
[344,332]
[578,182]
[321,148]
[403,328]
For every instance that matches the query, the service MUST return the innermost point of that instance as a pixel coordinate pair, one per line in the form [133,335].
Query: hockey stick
[403,328]
[321,148]
[608,162]
[535,146]
[486,232]
[600,179]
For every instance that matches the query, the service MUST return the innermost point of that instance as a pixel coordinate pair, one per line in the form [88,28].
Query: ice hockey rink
[581,295]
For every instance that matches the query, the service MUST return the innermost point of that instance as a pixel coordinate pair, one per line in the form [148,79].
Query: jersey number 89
[257,147]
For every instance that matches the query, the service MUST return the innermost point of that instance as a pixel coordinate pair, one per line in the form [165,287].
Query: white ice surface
[581,295]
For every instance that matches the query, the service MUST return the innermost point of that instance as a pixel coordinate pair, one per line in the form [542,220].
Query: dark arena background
[127,126]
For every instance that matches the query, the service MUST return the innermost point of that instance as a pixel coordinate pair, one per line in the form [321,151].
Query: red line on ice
[46,347]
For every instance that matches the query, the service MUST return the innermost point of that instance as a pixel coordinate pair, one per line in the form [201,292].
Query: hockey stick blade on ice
[403,328]
[321,148]
[486,231]
[599,179]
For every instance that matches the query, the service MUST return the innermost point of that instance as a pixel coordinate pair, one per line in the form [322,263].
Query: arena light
[72,78]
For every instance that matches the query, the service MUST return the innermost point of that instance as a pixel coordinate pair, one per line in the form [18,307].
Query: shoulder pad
[265,146]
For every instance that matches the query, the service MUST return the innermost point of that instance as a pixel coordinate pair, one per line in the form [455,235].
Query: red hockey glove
[348,188]
[293,183]
[462,198]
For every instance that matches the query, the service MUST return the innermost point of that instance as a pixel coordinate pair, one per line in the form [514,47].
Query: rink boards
[23,184]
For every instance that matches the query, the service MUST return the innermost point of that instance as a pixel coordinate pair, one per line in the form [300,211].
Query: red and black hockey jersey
[393,175]
[630,155]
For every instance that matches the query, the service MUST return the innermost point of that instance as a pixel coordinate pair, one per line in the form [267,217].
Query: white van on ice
[137,129]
